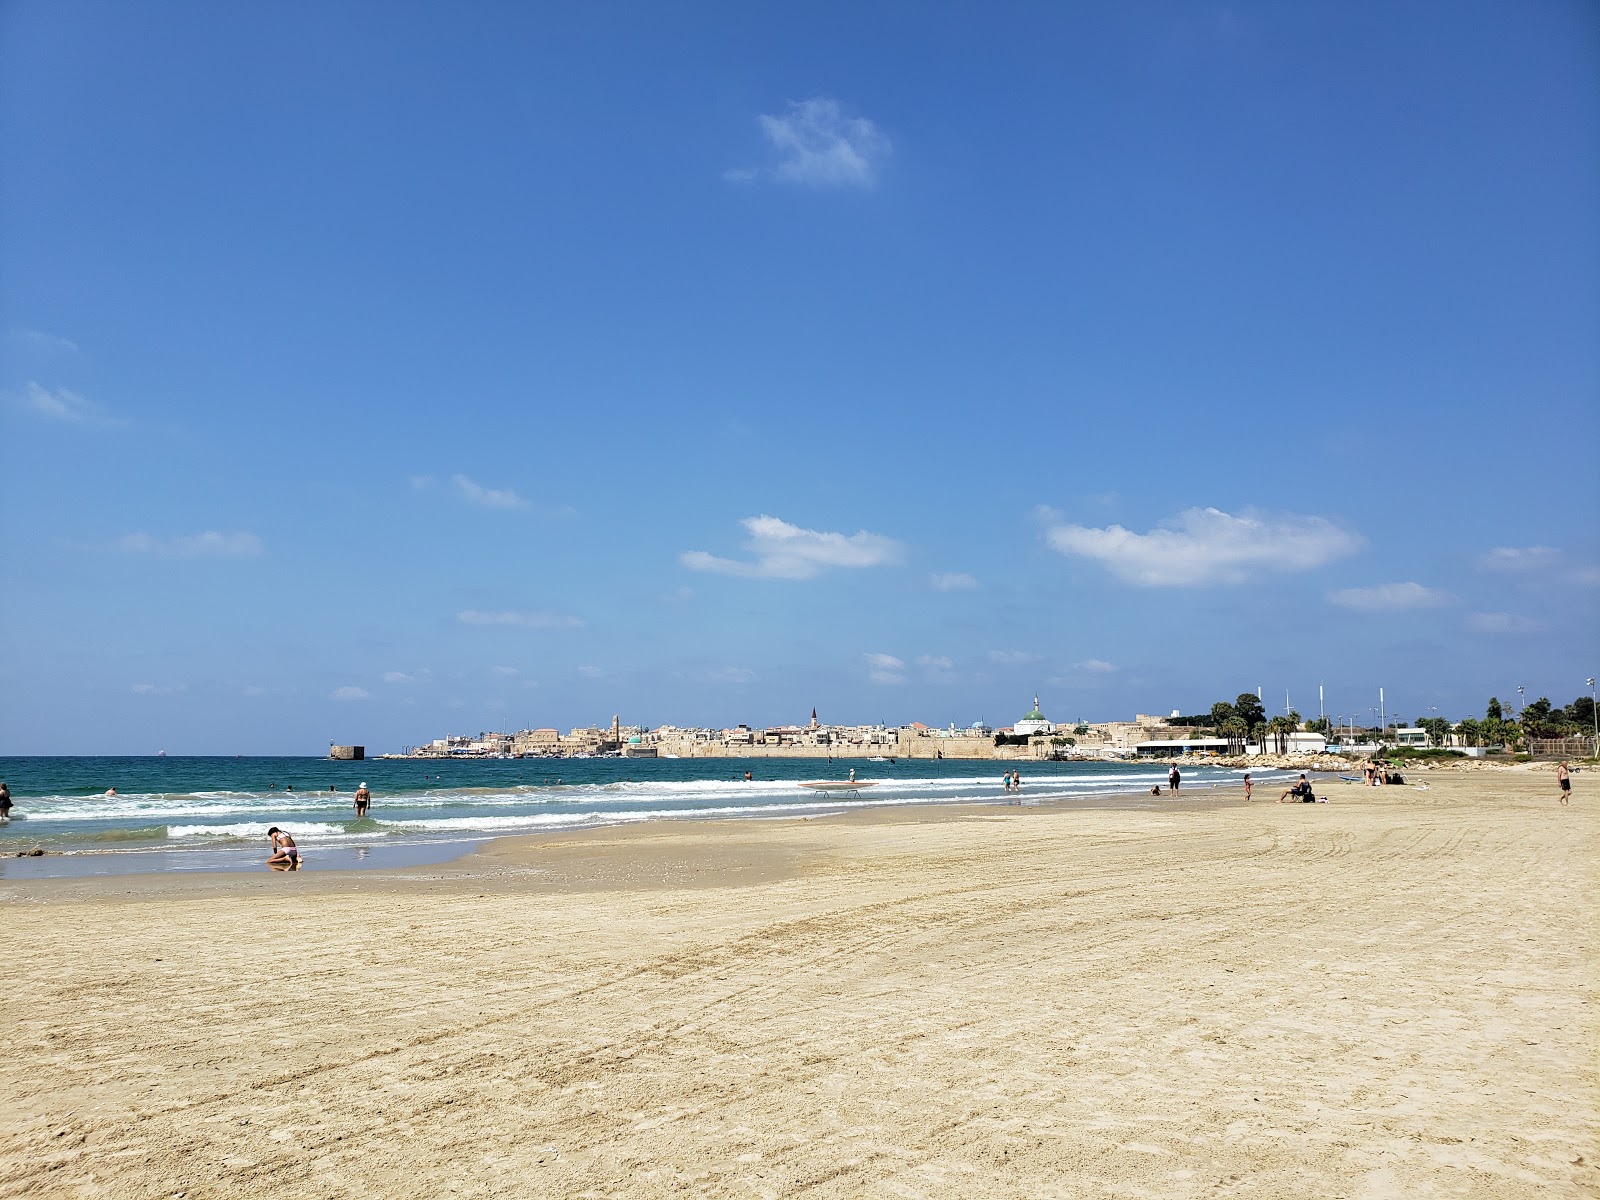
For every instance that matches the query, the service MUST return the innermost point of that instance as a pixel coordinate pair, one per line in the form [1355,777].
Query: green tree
[1470,732]
[1235,730]
[1319,725]
[1494,713]
[1248,707]
[1221,713]
[1536,722]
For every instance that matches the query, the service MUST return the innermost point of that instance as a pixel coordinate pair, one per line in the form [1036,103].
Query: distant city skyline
[367,374]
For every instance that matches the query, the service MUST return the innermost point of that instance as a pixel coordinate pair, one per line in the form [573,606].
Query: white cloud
[158,689]
[350,693]
[508,671]
[731,675]
[476,493]
[193,545]
[62,404]
[935,662]
[1012,658]
[38,340]
[525,620]
[1519,558]
[952,581]
[1205,546]
[884,668]
[818,146]
[592,672]
[404,678]
[1098,665]
[785,551]
[1389,597]
[1499,622]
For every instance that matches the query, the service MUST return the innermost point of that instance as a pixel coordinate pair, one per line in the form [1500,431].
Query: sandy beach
[1393,994]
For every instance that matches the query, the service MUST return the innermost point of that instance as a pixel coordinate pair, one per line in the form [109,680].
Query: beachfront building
[537,741]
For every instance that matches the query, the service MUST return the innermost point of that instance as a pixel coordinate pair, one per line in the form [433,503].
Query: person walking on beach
[363,801]
[1172,778]
[1247,786]
[1563,777]
[285,854]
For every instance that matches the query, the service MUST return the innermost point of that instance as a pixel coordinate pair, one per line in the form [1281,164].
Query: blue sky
[372,372]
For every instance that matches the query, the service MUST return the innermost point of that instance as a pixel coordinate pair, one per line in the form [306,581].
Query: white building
[1034,722]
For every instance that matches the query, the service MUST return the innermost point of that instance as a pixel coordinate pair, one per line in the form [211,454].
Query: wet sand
[1390,995]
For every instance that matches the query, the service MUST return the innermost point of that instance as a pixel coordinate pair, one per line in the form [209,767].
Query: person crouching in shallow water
[285,854]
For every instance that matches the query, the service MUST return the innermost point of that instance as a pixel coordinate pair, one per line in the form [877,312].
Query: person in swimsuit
[5,802]
[363,801]
[1247,786]
[285,854]
[1173,778]
[1563,777]
[1300,791]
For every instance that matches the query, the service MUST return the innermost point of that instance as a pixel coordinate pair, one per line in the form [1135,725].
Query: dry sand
[1389,995]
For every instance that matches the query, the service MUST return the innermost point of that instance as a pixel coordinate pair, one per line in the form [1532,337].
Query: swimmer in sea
[285,854]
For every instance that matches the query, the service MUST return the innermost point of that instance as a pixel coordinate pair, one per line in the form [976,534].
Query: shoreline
[521,847]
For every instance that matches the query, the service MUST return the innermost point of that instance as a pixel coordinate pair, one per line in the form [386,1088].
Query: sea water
[213,813]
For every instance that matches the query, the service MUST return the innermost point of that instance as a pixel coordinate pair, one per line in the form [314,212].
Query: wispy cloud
[952,581]
[505,671]
[935,662]
[158,689]
[729,675]
[885,668]
[1519,558]
[818,146]
[1501,623]
[194,545]
[64,405]
[36,339]
[407,678]
[526,620]
[592,672]
[350,693]
[783,551]
[1202,546]
[476,493]
[1098,665]
[1390,597]
[1012,658]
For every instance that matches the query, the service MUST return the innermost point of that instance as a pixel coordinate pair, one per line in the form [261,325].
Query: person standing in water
[1173,778]
[5,802]
[363,801]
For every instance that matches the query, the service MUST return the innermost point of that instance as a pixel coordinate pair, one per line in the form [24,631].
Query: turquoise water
[213,813]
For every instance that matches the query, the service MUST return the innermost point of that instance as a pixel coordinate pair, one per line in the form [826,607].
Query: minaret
[616,730]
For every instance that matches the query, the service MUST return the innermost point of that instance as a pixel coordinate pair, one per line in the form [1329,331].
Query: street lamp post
[1595,713]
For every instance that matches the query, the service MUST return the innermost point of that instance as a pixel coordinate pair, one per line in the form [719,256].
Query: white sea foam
[254,829]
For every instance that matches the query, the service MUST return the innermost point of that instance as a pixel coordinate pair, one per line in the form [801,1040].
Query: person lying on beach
[285,854]
[1300,791]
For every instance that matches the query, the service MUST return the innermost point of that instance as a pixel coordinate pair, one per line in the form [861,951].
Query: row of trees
[1245,719]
